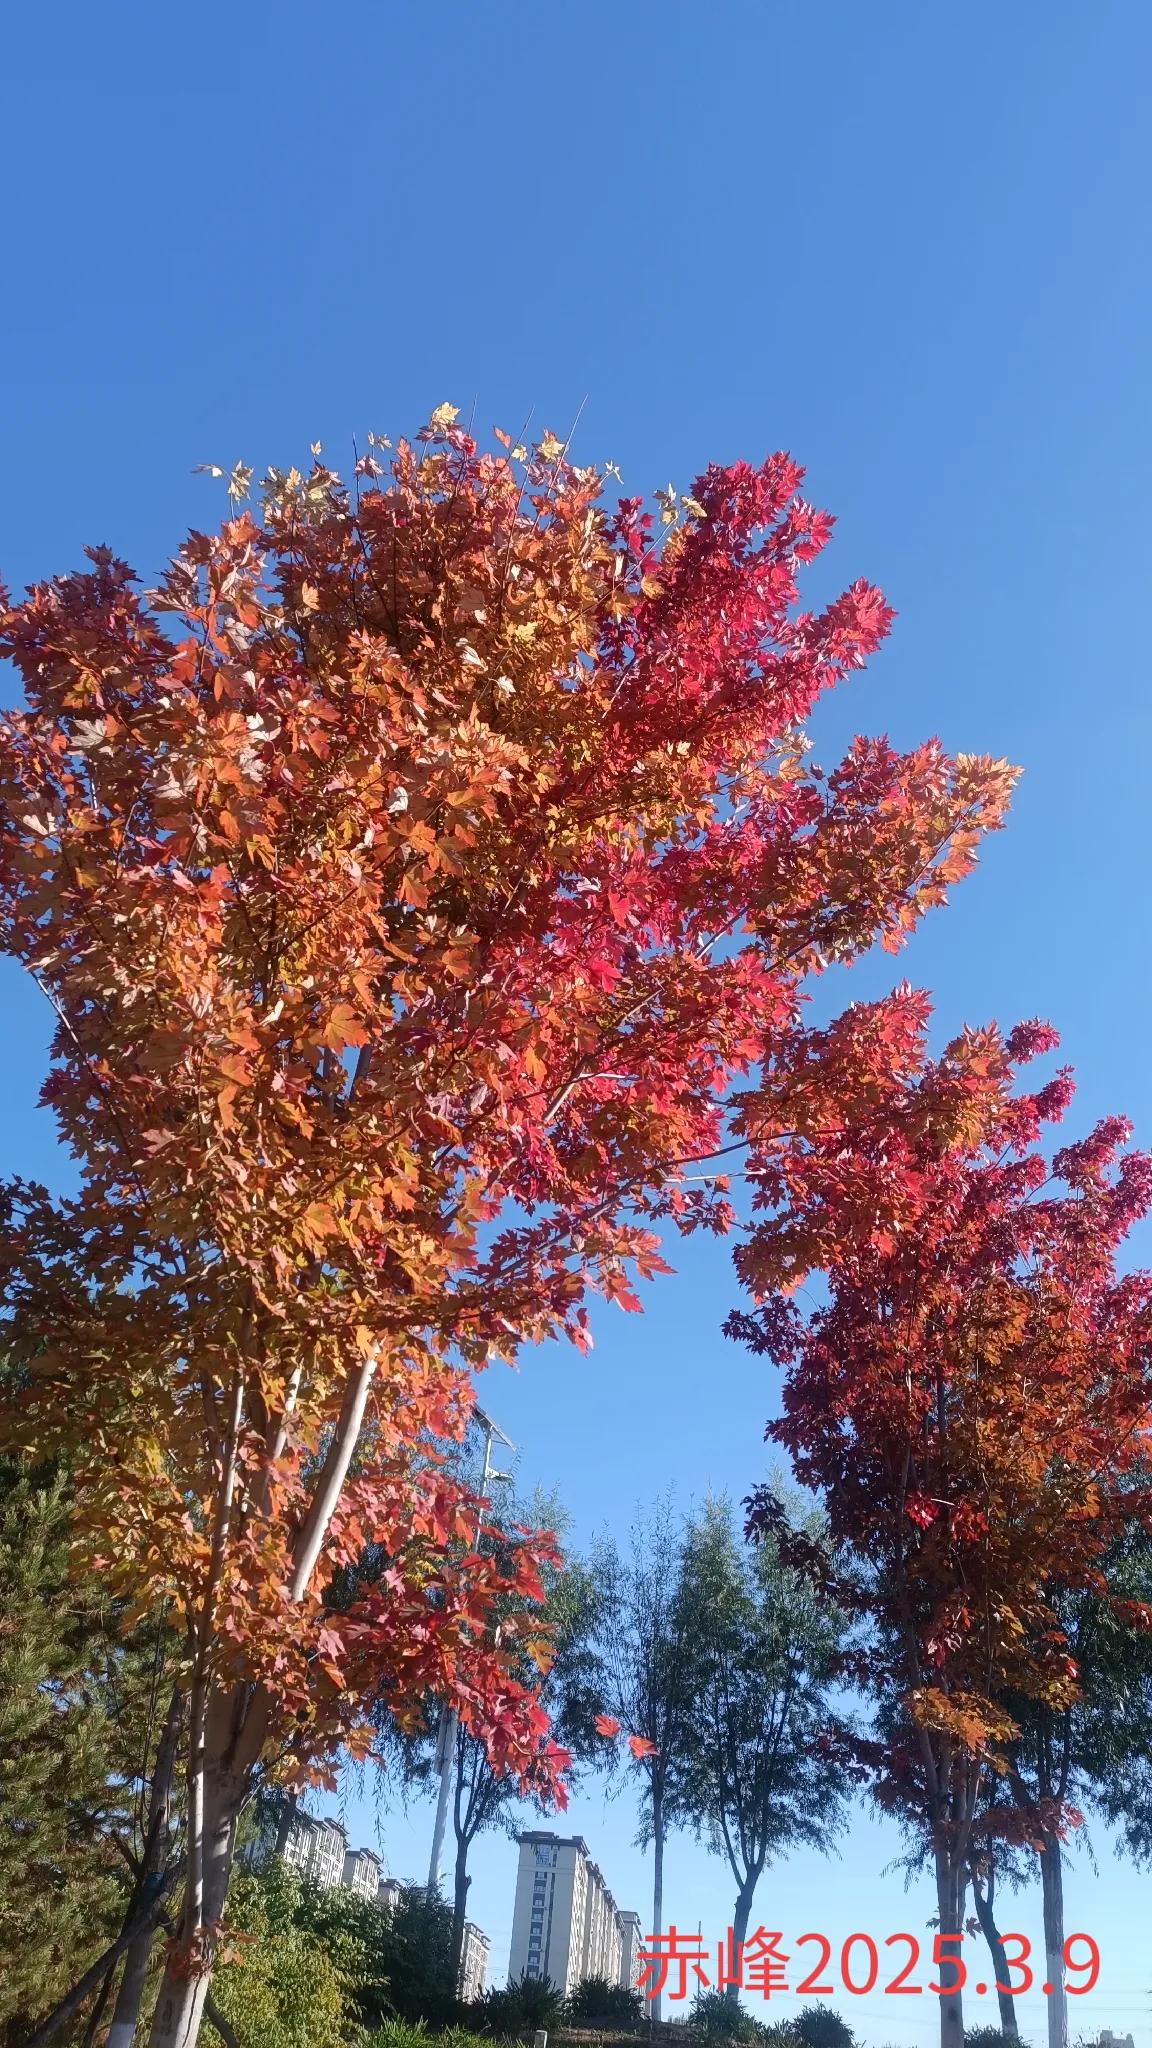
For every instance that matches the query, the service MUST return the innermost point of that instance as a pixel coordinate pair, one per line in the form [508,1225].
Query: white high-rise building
[362,1873]
[316,1848]
[473,1961]
[630,1940]
[565,1924]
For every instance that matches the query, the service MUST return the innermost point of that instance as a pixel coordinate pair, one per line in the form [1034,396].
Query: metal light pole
[446,1738]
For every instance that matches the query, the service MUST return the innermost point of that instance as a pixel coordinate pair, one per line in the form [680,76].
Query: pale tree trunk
[1052,1889]
[985,1914]
[220,1773]
[228,1730]
[657,1880]
[180,2006]
[133,1983]
[950,1889]
[740,1918]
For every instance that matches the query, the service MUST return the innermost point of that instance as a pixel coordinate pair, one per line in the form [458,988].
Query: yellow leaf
[344,1026]
[445,414]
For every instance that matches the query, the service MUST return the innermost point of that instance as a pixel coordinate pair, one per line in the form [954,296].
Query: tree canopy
[409,873]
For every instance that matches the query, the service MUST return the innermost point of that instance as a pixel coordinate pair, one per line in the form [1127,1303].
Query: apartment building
[362,1873]
[630,1940]
[473,1961]
[566,1924]
[316,1848]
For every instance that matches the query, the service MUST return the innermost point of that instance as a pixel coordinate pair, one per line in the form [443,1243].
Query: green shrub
[519,2008]
[717,2018]
[821,2026]
[991,2037]
[397,2033]
[284,1987]
[779,2034]
[597,2002]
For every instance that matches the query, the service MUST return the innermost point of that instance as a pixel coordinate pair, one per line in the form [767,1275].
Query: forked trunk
[741,1915]
[950,1887]
[219,1772]
[1052,1890]
[188,1971]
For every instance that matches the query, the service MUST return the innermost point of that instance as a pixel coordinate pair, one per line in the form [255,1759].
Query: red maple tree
[409,873]
[972,1401]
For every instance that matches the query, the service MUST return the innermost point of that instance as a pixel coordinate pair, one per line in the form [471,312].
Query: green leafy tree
[421,1977]
[1088,1754]
[751,1773]
[383,1963]
[646,1622]
[288,1983]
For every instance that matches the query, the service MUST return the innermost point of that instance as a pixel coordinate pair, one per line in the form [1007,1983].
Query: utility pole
[446,1738]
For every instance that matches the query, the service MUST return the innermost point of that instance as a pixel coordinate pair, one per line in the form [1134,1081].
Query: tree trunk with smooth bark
[985,1914]
[657,1881]
[1052,1891]
[950,1888]
[228,1729]
[223,1755]
[742,1913]
[459,1911]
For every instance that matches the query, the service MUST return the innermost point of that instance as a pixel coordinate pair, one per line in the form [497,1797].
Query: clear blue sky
[906,241]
